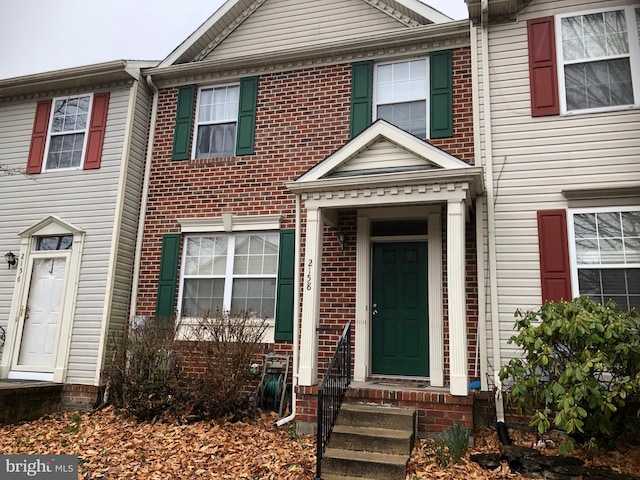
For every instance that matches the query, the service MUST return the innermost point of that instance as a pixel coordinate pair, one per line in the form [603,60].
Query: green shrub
[580,369]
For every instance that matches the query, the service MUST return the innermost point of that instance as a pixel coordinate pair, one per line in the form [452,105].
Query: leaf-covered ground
[112,446]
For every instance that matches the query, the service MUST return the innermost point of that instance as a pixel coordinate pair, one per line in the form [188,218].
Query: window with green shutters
[225,120]
[415,95]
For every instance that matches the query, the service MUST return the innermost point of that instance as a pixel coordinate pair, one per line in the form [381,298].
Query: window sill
[621,108]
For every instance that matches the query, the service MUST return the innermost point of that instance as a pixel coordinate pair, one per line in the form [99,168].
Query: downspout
[480,202]
[296,318]
[144,200]
[493,277]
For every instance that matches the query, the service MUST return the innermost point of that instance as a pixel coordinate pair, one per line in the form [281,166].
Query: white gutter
[488,142]
[296,318]
[143,201]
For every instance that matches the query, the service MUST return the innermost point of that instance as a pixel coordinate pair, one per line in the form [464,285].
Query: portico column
[456,273]
[311,299]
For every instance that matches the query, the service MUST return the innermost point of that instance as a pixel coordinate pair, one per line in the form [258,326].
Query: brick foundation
[28,401]
[437,409]
[81,397]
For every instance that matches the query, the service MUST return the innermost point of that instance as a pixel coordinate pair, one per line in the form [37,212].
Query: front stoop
[372,442]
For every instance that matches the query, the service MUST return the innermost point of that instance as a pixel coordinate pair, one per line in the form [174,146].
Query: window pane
[585,225]
[598,84]
[401,82]
[65,151]
[254,296]
[206,256]
[256,255]
[63,242]
[622,286]
[216,140]
[202,296]
[411,117]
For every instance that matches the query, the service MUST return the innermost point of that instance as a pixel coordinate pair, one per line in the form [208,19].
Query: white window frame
[229,276]
[634,59]
[198,123]
[51,134]
[575,267]
[426,97]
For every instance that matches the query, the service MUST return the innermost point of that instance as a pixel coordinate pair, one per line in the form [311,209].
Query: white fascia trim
[379,130]
[425,10]
[195,36]
[230,223]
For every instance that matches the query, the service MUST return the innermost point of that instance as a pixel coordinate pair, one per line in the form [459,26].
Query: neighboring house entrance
[43,304]
[400,315]
[38,341]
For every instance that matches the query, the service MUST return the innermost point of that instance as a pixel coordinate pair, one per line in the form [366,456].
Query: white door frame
[50,226]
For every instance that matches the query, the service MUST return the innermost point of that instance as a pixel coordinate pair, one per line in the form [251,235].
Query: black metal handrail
[331,393]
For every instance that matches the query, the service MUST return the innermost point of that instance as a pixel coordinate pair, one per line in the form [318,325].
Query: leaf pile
[112,446]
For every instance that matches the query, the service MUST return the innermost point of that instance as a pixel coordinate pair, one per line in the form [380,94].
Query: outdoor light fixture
[342,238]
[10,258]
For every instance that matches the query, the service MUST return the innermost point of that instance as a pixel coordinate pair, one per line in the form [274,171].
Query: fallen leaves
[112,446]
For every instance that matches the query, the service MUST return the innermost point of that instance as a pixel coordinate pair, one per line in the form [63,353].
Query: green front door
[400,319]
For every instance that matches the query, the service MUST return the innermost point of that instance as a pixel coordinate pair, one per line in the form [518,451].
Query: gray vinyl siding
[535,159]
[280,24]
[84,198]
[129,221]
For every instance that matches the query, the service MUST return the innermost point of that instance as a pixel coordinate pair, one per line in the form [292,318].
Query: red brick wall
[302,117]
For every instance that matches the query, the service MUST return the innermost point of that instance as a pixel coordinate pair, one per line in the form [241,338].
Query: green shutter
[247,116]
[184,122]
[168,277]
[361,95]
[286,273]
[441,80]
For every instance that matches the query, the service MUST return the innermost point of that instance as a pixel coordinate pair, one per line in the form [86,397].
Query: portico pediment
[382,148]
[386,157]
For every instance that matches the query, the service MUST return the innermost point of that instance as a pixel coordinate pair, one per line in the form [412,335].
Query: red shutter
[555,273]
[96,130]
[39,137]
[543,74]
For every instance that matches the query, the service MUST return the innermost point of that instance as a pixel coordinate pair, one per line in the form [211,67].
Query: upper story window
[230,273]
[401,90]
[217,118]
[599,59]
[606,255]
[67,132]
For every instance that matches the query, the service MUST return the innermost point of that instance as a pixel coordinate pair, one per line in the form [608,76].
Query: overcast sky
[42,35]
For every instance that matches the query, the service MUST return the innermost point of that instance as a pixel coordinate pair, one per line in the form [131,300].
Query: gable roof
[382,148]
[233,13]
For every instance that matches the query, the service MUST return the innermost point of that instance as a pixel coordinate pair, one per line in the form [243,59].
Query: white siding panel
[535,159]
[280,24]
[83,198]
[382,154]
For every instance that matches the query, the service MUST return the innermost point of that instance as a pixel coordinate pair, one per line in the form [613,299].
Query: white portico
[388,175]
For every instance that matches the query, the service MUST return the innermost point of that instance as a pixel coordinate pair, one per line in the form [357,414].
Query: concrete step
[377,416]
[370,439]
[344,464]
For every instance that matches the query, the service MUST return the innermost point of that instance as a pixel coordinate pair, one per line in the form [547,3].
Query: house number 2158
[309,267]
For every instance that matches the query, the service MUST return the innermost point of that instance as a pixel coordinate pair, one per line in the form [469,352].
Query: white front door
[38,342]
